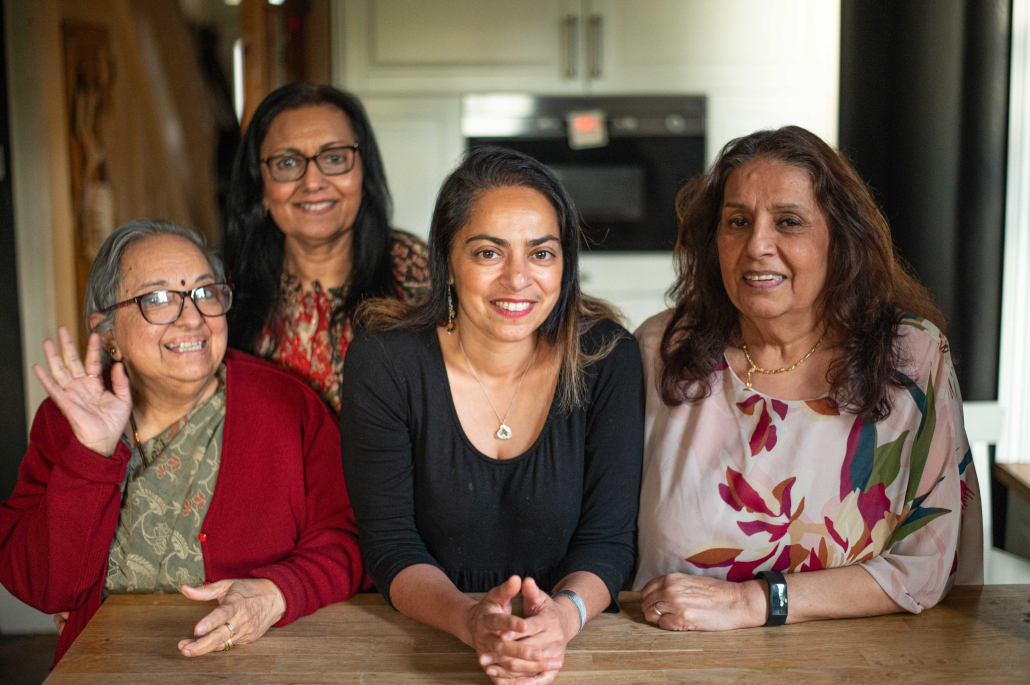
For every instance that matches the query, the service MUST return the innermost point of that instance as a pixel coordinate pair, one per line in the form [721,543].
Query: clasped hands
[522,651]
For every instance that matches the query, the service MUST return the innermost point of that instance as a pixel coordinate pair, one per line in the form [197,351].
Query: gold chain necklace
[139,446]
[752,367]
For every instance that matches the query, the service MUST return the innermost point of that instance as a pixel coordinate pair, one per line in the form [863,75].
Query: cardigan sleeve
[377,459]
[57,527]
[325,566]
[604,540]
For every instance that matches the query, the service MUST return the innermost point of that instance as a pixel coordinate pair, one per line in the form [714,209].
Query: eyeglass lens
[331,162]
[165,306]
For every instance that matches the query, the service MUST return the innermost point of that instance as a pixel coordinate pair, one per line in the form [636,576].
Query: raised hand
[97,416]
[251,605]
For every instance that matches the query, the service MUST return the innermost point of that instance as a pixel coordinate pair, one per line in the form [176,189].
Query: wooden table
[977,635]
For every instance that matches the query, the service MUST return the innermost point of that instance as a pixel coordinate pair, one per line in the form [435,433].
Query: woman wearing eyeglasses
[308,236]
[164,463]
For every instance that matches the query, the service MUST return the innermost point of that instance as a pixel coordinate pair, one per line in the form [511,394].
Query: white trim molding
[1014,370]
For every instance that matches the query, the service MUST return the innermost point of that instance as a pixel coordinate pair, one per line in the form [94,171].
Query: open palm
[97,415]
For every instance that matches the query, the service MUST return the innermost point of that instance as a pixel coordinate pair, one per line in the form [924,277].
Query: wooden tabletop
[977,635]
[1016,477]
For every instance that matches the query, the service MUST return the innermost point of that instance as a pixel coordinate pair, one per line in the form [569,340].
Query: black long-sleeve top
[423,494]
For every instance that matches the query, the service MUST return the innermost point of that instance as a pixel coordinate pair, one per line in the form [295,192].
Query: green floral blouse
[156,548]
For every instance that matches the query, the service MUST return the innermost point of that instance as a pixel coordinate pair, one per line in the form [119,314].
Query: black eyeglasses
[161,307]
[292,166]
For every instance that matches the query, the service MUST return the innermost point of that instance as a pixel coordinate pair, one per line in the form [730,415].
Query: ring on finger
[232,631]
[228,645]
[92,375]
[655,607]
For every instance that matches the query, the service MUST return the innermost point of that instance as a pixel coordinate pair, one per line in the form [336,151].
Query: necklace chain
[503,432]
[139,446]
[752,367]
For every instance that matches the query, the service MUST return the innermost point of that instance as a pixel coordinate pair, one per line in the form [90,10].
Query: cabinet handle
[594,47]
[570,31]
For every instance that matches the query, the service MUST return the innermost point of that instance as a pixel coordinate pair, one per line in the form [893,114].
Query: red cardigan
[279,509]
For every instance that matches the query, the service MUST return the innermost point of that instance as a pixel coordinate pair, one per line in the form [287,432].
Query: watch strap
[777,597]
[576,600]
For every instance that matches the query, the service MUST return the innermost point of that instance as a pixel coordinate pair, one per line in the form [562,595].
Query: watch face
[778,598]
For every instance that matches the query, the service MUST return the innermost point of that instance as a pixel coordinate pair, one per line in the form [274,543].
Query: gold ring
[655,607]
[228,644]
[92,375]
[232,631]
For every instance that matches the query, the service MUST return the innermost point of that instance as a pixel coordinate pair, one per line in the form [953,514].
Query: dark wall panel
[12,387]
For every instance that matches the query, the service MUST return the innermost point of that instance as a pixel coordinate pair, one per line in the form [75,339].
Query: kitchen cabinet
[456,46]
[759,64]
[420,142]
[635,282]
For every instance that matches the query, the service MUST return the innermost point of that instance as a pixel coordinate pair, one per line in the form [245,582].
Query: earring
[114,350]
[450,312]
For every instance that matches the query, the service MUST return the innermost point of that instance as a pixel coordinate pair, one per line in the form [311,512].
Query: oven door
[625,191]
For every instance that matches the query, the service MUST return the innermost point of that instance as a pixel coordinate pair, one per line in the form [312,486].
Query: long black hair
[483,169]
[253,242]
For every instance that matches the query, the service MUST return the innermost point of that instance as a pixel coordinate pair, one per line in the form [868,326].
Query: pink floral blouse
[742,482]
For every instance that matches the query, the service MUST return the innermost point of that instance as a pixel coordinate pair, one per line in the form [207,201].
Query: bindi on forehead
[183,281]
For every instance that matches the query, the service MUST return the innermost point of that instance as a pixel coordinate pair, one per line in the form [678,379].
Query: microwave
[623,159]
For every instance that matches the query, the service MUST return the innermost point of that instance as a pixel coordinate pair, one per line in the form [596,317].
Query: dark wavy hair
[489,168]
[868,287]
[253,247]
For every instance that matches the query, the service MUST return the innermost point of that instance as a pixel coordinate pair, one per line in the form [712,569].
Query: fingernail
[491,671]
[486,659]
[554,665]
[508,636]
[186,652]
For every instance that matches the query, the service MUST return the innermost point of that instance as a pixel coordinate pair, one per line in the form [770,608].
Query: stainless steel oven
[623,159]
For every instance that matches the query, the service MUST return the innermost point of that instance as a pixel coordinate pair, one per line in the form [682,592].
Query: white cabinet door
[420,143]
[761,64]
[457,46]
[635,282]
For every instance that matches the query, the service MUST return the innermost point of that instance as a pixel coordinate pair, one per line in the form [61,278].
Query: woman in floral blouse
[308,236]
[803,415]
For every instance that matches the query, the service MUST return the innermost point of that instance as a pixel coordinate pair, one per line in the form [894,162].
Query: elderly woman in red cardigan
[190,469]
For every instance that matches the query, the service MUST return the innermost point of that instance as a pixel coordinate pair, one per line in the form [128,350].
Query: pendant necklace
[504,432]
[755,368]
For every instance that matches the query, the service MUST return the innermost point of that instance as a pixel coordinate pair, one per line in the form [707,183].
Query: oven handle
[594,47]
[570,31]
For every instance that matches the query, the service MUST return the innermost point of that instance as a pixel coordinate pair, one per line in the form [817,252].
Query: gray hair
[105,275]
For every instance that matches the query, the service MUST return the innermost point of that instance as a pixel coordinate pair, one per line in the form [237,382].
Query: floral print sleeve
[311,335]
[941,494]
[742,482]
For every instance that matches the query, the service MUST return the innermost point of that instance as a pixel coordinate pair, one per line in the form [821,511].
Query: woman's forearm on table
[590,588]
[427,595]
[848,592]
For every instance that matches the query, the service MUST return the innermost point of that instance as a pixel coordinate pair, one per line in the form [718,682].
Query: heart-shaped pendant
[504,432]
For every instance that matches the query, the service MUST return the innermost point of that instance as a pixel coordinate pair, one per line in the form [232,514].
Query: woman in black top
[492,435]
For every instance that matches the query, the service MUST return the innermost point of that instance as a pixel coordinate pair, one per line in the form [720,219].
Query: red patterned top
[312,332]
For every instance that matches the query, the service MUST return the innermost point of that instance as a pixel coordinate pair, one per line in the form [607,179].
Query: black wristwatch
[777,597]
